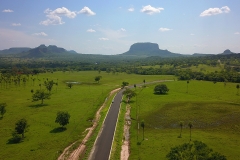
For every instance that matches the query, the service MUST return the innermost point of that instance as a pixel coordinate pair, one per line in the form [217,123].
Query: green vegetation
[161,89]
[2,109]
[129,94]
[62,118]
[44,138]
[192,151]
[212,108]
[40,95]
[21,126]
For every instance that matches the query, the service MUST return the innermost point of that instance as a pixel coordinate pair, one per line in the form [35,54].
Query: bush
[161,89]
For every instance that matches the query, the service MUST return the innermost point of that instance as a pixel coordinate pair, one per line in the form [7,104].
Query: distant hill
[201,54]
[15,50]
[226,52]
[41,51]
[148,49]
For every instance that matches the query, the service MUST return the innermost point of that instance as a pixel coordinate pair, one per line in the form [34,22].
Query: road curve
[102,146]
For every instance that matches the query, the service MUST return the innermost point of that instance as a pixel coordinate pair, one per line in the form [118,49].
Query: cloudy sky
[110,27]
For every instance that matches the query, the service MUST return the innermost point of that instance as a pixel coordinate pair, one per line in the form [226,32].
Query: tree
[70,85]
[97,78]
[124,84]
[143,125]
[190,127]
[181,125]
[2,108]
[161,89]
[21,126]
[129,94]
[192,151]
[62,118]
[135,86]
[40,95]
[49,85]
[187,86]
[237,86]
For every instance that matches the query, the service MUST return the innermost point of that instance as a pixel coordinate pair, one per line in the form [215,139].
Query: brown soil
[125,146]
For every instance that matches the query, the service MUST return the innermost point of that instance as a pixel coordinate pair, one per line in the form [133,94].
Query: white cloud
[87,11]
[16,24]
[215,11]
[55,16]
[122,29]
[131,9]
[164,29]
[7,10]
[237,33]
[103,39]
[151,10]
[40,34]
[91,30]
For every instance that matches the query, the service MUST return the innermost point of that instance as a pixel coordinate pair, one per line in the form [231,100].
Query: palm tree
[181,125]
[143,125]
[190,125]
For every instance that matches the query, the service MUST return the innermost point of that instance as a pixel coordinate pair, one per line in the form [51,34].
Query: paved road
[102,147]
[103,144]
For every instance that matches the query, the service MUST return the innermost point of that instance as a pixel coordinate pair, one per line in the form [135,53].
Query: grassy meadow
[213,109]
[44,140]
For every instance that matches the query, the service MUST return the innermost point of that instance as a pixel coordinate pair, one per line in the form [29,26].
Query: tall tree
[190,125]
[129,94]
[2,108]
[143,125]
[181,126]
[40,95]
[62,118]
[49,85]
[21,126]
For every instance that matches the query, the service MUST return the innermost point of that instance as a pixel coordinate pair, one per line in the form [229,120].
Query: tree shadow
[1,118]
[14,141]
[37,105]
[160,93]
[58,130]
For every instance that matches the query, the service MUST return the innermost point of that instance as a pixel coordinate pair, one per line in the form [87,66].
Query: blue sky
[111,27]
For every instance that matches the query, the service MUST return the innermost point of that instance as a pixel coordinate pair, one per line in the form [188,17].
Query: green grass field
[43,141]
[214,110]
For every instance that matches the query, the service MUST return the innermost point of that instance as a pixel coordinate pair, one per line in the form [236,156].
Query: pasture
[44,140]
[213,109]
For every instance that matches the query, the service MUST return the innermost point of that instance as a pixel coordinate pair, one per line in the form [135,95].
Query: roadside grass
[43,138]
[214,110]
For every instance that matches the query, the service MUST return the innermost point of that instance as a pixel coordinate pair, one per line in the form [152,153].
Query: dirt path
[125,146]
[68,155]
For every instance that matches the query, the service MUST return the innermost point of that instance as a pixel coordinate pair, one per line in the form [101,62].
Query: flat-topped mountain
[149,49]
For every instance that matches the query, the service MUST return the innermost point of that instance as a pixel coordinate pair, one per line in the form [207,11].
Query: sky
[111,26]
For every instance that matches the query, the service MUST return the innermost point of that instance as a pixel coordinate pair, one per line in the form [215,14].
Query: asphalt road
[103,143]
[102,146]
